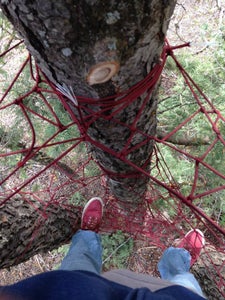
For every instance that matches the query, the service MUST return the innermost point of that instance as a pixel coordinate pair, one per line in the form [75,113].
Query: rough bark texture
[27,230]
[68,38]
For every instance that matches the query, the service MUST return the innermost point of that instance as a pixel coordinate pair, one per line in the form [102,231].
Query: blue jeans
[85,253]
[174,266]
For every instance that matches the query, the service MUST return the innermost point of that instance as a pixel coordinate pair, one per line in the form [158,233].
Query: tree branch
[184,140]
[27,230]
[39,157]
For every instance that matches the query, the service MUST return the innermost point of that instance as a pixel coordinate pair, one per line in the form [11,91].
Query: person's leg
[175,263]
[174,266]
[85,252]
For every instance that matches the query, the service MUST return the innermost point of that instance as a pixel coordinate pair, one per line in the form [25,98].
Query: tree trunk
[28,229]
[69,39]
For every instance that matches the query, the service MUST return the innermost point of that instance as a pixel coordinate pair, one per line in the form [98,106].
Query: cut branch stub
[102,72]
[93,33]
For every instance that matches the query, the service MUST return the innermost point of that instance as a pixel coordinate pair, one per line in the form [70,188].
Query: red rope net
[50,164]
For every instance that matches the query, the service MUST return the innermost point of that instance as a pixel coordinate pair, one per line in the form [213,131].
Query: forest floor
[186,26]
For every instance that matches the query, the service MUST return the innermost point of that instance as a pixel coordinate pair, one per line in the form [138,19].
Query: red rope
[147,219]
[126,98]
[10,49]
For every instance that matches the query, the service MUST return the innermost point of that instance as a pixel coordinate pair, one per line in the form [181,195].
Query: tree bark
[68,39]
[30,229]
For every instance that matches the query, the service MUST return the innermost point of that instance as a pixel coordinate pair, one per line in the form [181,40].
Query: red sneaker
[193,242]
[92,214]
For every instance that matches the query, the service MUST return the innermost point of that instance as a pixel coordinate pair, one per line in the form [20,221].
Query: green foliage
[78,199]
[181,168]
[222,217]
[7,33]
[61,251]
[177,103]
[117,248]
[91,169]
[44,129]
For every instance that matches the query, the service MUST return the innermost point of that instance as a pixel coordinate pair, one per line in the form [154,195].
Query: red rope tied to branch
[120,101]
[147,220]
[125,99]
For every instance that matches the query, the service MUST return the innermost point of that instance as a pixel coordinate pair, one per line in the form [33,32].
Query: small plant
[78,199]
[117,248]
[61,251]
